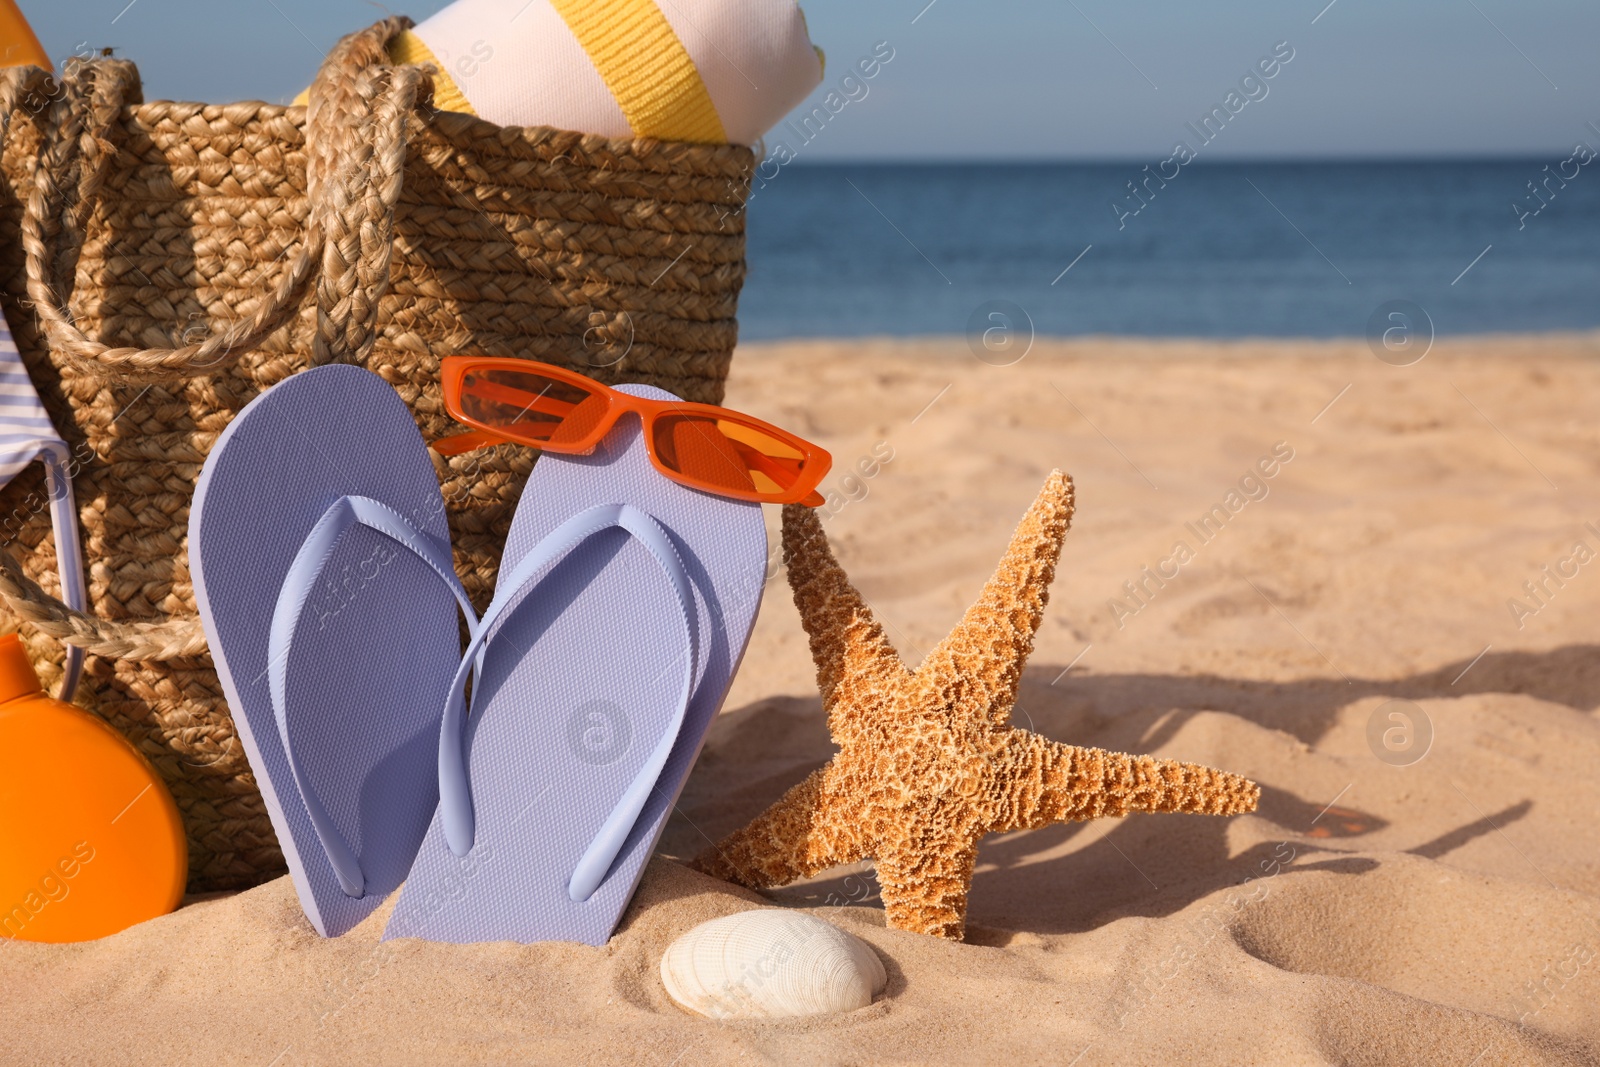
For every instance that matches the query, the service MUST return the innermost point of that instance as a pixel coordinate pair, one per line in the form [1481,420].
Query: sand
[1441,910]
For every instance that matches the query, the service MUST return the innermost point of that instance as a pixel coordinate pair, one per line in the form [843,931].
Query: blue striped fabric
[26,434]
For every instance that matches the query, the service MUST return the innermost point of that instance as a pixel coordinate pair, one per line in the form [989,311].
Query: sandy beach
[1430,896]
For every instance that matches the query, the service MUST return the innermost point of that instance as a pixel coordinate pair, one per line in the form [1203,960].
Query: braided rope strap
[360,132]
[356,149]
[167,639]
[95,91]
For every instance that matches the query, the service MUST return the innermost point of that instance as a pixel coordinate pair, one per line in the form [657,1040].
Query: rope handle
[355,148]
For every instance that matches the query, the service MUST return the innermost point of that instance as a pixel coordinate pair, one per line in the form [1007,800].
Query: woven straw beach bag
[177,259]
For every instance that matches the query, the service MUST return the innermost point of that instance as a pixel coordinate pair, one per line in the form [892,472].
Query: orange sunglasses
[699,445]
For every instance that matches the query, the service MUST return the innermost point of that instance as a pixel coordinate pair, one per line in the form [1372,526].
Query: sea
[1303,249]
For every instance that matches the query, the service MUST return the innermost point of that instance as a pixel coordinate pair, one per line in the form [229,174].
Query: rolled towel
[708,71]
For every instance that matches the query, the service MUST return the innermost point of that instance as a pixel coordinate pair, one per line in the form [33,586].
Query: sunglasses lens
[727,454]
[529,406]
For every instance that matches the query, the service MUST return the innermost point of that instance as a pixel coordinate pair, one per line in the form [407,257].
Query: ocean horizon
[1310,248]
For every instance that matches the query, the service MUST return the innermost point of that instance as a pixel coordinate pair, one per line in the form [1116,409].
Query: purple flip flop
[322,566]
[623,607]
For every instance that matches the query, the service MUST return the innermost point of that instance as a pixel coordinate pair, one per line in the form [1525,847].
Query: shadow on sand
[1137,866]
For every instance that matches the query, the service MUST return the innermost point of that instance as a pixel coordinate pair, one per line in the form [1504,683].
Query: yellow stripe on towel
[646,67]
[408,48]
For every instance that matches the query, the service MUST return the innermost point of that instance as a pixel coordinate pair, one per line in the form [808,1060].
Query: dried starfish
[928,762]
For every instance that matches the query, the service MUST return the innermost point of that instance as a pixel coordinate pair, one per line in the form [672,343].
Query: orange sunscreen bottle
[90,840]
[18,46]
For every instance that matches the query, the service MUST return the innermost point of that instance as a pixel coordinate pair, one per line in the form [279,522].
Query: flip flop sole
[577,686]
[376,644]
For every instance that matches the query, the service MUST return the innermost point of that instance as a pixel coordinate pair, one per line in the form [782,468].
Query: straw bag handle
[356,142]
[355,159]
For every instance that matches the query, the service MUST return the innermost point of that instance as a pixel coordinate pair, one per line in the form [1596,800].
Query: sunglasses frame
[815,462]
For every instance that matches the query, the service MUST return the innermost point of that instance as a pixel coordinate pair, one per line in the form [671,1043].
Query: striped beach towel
[27,434]
[706,71]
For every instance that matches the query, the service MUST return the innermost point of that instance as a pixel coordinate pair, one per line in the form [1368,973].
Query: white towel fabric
[519,63]
[26,434]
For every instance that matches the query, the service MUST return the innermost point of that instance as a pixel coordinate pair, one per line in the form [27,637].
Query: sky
[1031,79]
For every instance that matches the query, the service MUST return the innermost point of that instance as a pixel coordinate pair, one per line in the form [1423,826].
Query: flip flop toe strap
[455,793]
[298,585]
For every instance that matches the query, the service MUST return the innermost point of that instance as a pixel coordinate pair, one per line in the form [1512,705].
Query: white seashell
[770,963]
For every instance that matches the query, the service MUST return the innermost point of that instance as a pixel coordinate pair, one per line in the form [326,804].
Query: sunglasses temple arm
[773,468]
[510,394]
[456,444]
